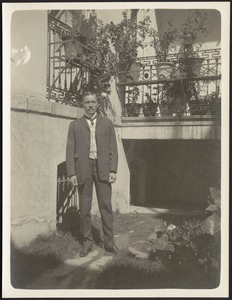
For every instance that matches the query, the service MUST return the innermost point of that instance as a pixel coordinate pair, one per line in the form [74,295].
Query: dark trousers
[103,191]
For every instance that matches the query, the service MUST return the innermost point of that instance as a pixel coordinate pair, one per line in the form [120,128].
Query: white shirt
[93,144]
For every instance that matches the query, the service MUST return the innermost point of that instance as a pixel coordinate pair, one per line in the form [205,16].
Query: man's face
[90,105]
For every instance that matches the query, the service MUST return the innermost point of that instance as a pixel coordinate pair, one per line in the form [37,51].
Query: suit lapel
[84,122]
[99,118]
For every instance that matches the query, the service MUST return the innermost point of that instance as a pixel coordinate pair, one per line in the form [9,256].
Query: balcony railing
[143,91]
[67,72]
[147,91]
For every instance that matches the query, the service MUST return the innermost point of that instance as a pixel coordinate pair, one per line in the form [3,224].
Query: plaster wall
[28,68]
[38,142]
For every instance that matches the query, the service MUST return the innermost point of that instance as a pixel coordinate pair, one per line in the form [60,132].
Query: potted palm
[190,35]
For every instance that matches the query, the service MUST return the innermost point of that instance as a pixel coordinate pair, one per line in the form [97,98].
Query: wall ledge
[37,104]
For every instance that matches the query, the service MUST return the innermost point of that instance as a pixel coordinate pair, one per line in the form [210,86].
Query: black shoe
[101,245]
[84,252]
[113,249]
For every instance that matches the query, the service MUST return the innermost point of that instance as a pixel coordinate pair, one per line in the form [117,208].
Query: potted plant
[74,42]
[190,35]
[215,103]
[199,105]
[95,57]
[149,107]
[126,37]
[162,41]
[133,107]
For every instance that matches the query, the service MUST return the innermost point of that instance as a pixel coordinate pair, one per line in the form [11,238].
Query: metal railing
[67,71]
[143,92]
[67,196]
[147,91]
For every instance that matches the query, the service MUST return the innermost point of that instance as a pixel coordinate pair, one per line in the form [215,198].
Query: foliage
[184,235]
[126,272]
[195,241]
[192,32]
[162,40]
[127,36]
[103,58]
[97,57]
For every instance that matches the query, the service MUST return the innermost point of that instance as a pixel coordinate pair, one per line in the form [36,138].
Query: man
[92,156]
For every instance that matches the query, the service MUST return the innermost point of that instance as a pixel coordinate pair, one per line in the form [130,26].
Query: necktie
[91,119]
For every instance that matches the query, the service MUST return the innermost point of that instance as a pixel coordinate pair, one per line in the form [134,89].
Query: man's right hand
[73,180]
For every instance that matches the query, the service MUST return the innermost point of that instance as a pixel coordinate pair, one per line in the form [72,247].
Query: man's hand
[73,180]
[112,178]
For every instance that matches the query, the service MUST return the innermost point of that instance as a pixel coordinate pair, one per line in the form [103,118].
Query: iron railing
[142,91]
[67,196]
[145,93]
[67,72]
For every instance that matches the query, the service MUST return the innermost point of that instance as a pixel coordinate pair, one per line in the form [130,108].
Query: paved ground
[81,273]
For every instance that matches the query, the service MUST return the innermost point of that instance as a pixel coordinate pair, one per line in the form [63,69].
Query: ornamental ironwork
[176,87]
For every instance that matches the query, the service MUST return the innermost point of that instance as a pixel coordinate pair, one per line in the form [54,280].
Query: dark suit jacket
[78,147]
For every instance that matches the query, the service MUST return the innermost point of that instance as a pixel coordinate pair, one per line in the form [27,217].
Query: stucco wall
[38,141]
[28,68]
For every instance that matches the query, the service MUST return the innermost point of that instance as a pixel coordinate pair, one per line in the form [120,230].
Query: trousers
[104,193]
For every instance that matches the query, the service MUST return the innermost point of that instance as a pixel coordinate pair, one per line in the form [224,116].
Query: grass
[125,272]
[44,252]
[181,271]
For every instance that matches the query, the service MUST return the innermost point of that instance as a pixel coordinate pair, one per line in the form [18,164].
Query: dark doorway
[172,173]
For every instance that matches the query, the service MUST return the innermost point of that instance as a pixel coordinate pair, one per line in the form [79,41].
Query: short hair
[89,93]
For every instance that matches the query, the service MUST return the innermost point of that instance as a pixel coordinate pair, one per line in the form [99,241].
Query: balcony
[69,68]
[150,93]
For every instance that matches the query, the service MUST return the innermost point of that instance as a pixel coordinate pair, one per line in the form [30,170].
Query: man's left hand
[112,178]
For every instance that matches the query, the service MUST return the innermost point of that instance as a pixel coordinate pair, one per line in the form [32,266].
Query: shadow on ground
[52,261]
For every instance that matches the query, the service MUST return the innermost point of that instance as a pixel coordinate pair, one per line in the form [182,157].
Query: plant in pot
[133,107]
[75,42]
[127,37]
[215,103]
[190,35]
[149,107]
[98,62]
[162,40]
[198,105]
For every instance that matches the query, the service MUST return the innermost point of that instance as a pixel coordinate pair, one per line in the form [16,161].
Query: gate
[67,210]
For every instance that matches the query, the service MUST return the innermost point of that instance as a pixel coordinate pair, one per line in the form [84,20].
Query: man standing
[92,156]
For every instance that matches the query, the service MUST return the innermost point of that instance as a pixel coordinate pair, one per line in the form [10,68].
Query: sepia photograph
[116,132]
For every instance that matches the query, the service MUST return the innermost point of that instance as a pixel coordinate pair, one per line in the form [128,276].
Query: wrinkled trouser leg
[85,192]
[104,193]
